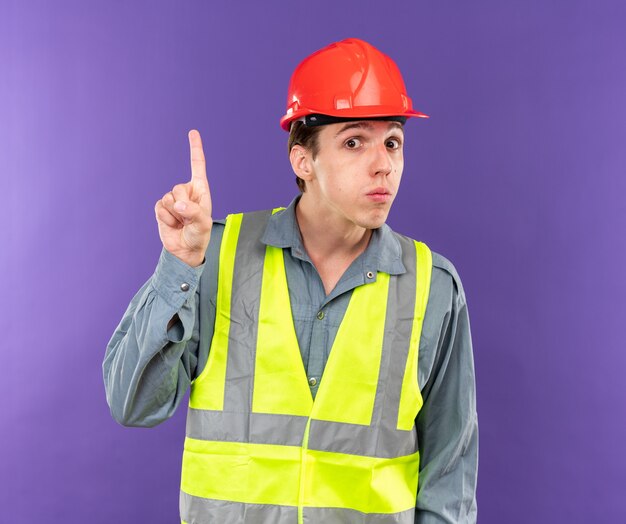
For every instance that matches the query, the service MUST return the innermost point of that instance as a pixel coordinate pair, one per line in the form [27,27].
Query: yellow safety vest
[259,449]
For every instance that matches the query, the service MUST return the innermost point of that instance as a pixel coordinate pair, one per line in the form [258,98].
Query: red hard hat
[347,79]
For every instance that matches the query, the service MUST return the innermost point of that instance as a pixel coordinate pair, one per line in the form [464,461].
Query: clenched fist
[184,213]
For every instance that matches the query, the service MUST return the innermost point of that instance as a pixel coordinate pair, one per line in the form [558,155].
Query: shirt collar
[383,253]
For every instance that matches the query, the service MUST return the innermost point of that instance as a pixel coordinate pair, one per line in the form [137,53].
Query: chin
[374,222]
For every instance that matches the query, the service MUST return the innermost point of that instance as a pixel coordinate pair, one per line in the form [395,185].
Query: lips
[379,194]
[379,191]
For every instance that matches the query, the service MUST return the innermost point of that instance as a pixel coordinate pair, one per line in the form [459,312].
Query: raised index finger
[198,165]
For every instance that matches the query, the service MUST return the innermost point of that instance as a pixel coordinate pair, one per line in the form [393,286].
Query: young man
[329,358]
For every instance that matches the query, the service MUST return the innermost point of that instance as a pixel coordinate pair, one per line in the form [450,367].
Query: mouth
[379,194]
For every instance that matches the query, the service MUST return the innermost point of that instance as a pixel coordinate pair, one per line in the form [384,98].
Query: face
[356,174]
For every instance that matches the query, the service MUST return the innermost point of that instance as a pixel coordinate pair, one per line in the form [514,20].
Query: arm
[152,356]
[447,425]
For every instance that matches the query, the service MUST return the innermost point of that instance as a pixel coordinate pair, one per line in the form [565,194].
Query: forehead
[366,125]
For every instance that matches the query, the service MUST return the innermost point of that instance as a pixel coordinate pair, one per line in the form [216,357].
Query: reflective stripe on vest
[258,447]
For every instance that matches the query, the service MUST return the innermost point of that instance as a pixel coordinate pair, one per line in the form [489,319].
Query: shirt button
[184,286]
[312,381]
[320,315]
[369,274]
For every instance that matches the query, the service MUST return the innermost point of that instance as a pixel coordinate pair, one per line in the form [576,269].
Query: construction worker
[329,357]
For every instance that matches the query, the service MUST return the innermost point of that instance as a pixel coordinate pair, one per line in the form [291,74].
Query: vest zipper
[303,454]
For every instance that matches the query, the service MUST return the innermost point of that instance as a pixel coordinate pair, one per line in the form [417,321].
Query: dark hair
[305,136]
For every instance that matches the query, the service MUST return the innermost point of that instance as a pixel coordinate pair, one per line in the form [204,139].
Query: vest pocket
[241,472]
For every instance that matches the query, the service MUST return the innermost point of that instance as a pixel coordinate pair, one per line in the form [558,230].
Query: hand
[184,213]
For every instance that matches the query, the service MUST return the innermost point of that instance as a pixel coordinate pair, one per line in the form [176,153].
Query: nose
[381,161]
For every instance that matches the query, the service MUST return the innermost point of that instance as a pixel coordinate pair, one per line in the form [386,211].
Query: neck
[325,237]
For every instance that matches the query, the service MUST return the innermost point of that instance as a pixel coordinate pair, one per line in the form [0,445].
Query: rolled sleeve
[176,283]
[174,280]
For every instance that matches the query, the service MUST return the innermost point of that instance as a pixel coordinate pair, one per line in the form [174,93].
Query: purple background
[518,178]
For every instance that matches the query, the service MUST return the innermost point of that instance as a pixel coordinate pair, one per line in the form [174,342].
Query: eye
[353,143]
[393,143]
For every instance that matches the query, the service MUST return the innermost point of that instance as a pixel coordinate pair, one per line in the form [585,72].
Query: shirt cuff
[174,280]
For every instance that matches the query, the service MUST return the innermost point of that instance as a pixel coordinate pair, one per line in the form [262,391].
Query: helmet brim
[354,113]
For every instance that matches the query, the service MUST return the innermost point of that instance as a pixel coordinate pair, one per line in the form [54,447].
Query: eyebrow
[366,125]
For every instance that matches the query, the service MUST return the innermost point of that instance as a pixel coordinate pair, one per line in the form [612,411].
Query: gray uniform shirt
[148,369]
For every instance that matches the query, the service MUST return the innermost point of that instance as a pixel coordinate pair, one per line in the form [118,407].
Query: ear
[300,159]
